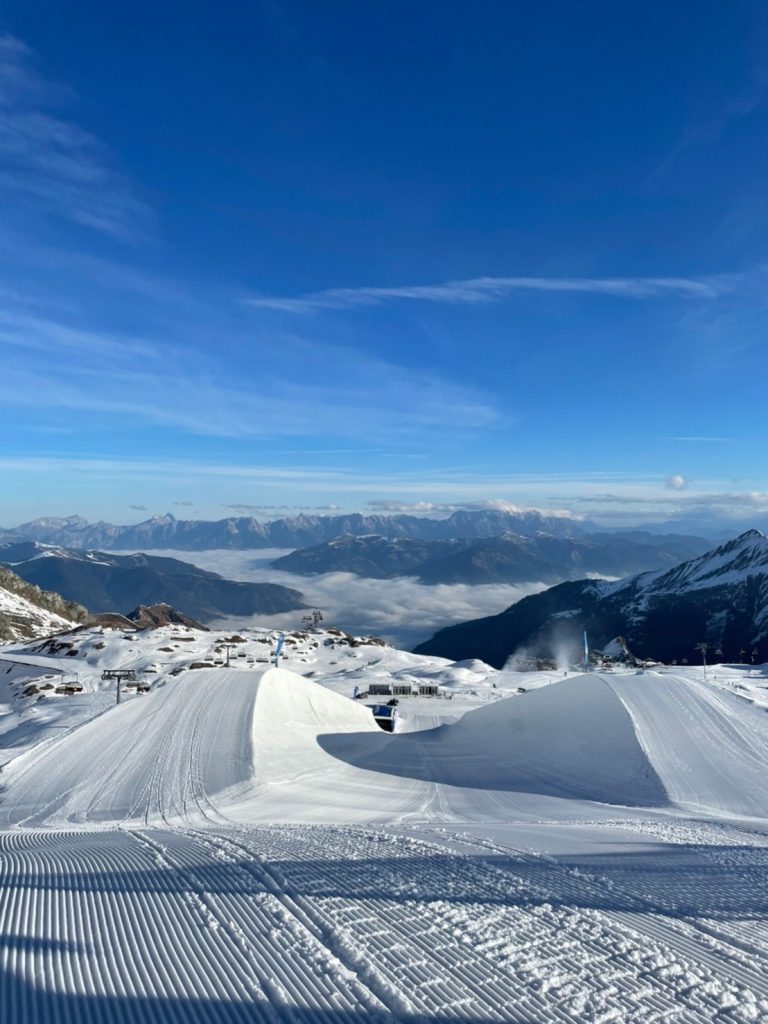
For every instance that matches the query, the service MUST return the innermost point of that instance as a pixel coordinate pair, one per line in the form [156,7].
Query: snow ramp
[574,739]
[317,757]
[290,715]
[709,747]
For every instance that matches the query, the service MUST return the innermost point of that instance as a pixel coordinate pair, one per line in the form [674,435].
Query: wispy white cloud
[711,128]
[492,289]
[196,405]
[19,329]
[268,490]
[50,163]
[441,487]
[445,508]
[676,482]
[146,381]
[735,505]
[697,439]
[247,509]
[445,485]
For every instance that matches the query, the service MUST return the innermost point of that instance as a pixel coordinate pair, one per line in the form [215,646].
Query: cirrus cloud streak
[492,289]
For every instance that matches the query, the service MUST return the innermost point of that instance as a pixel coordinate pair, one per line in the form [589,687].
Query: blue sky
[271,255]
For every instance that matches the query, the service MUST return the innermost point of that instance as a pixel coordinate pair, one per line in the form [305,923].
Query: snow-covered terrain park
[244,843]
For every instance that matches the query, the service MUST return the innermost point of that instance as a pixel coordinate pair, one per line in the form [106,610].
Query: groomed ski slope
[245,846]
[709,747]
[277,747]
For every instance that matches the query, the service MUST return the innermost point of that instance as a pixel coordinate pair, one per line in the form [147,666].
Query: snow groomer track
[238,847]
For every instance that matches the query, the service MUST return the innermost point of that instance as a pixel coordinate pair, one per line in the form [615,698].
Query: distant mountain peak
[731,562]
[748,537]
[719,599]
[58,522]
[304,530]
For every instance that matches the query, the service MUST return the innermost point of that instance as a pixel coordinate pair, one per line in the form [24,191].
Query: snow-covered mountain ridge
[730,563]
[28,611]
[106,582]
[719,599]
[244,532]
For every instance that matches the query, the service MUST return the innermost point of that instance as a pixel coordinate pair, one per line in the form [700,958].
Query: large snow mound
[246,746]
[574,739]
[628,739]
[290,715]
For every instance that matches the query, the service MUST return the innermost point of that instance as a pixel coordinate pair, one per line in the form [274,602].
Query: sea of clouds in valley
[403,611]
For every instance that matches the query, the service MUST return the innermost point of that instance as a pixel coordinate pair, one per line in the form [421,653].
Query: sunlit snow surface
[245,844]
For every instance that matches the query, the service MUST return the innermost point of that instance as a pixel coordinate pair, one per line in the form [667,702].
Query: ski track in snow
[134,887]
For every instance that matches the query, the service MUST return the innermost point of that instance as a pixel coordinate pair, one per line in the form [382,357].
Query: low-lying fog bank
[401,610]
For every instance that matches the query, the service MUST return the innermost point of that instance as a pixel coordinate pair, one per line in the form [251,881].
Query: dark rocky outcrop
[28,611]
[156,615]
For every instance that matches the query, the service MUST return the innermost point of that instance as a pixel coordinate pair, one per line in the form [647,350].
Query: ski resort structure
[245,843]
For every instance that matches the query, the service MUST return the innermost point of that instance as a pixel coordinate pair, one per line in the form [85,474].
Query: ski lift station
[404,689]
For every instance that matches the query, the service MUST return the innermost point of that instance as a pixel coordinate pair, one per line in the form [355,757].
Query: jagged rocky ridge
[719,598]
[107,582]
[293,532]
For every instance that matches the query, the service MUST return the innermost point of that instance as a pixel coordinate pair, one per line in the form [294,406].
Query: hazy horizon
[710,516]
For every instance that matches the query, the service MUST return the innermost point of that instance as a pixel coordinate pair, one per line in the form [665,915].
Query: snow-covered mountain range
[719,599]
[293,532]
